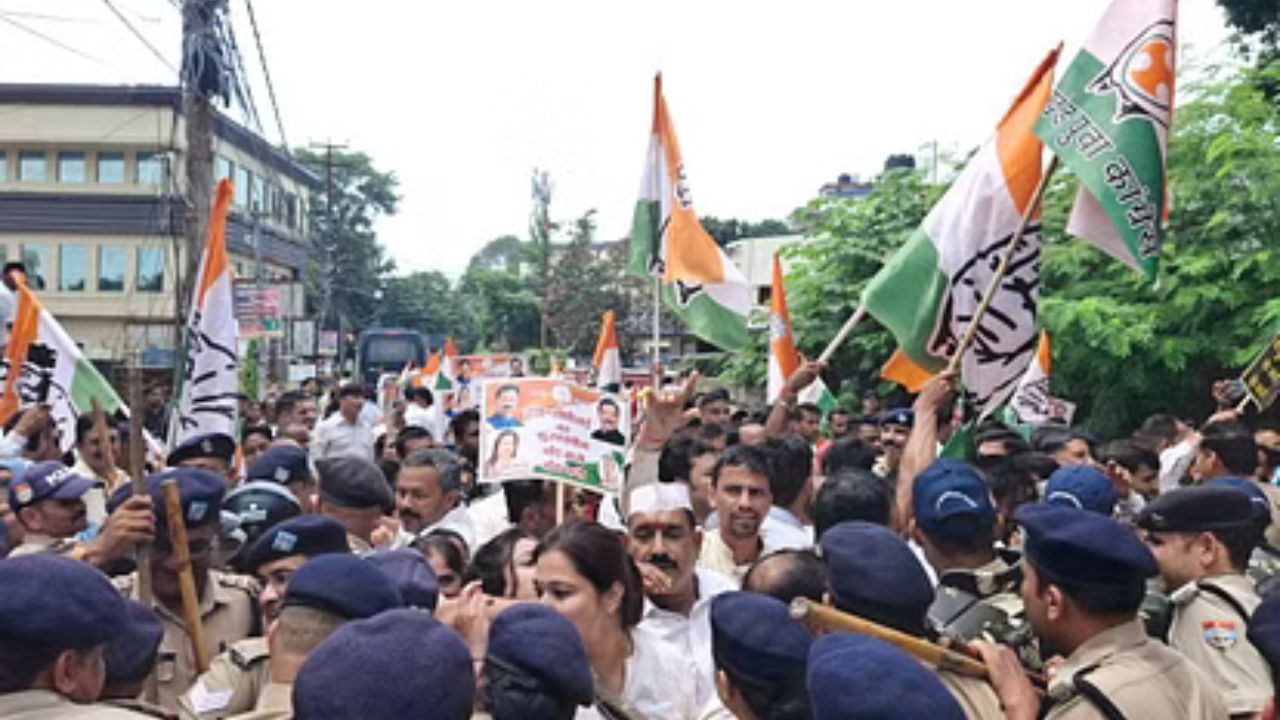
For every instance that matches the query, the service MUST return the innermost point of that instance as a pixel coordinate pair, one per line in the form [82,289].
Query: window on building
[221,169]
[257,195]
[111,168]
[73,268]
[150,269]
[71,167]
[4,167]
[242,187]
[37,259]
[153,168]
[291,210]
[110,268]
[31,166]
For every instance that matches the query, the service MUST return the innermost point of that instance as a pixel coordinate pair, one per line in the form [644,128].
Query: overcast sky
[461,100]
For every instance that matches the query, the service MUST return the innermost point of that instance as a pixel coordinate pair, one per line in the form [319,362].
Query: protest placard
[1262,379]
[470,371]
[553,430]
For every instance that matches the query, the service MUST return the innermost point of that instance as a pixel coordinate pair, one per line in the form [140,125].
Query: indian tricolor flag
[607,360]
[207,401]
[699,281]
[928,291]
[1109,122]
[1031,403]
[783,358]
[51,370]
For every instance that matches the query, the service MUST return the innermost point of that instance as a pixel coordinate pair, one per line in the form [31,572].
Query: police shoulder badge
[1220,634]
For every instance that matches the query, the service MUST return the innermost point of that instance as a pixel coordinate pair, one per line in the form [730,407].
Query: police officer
[355,493]
[854,677]
[761,656]
[236,677]
[535,666]
[409,571]
[872,573]
[1202,537]
[289,467]
[978,593]
[130,657]
[47,500]
[249,511]
[326,592]
[1264,633]
[396,664]
[226,602]
[1085,578]
[56,618]
[214,452]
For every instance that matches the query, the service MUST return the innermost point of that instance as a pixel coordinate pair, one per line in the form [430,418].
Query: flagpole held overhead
[849,326]
[1027,214]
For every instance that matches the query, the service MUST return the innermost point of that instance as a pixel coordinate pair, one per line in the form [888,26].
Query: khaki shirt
[1144,679]
[33,544]
[228,613]
[1272,534]
[976,697]
[233,684]
[276,703]
[1211,633]
[47,705]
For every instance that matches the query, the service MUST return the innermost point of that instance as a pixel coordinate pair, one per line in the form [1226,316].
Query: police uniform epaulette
[124,583]
[249,652]
[238,582]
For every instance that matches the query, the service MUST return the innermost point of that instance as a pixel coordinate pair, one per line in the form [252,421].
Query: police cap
[754,637]
[409,572]
[1072,546]
[353,482]
[343,585]
[281,464]
[952,501]
[1081,487]
[56,603]
[1197,509]
[218,446]
[855,677]
[870,569]
[307,535]
[534,640]
[131,654]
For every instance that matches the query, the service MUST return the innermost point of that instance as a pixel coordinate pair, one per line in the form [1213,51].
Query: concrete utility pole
[202,80]
[540,232]
[324,283]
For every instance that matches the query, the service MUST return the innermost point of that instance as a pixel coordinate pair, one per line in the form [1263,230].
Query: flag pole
[657,331]
[1003,267]
[840,337]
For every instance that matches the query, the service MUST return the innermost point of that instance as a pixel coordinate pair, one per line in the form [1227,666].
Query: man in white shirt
[429,497]
[422,412]
[343,433]
[664,541]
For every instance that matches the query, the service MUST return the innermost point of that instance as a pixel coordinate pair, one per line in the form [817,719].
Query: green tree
[581,286]
[732,229]
[349,266]
[502,253]
[507,308]
[425,301]
[1256,19]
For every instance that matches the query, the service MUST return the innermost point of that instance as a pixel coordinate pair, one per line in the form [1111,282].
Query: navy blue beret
[343,585]
[1079,547]
[1081,487]
[132,653]
[899,416]
[56,603]
[1199,508]
[50,480]
[754,637]
[1257,496]
[308,535]
[1264,629]
[855,677]
[281,464]
[218,446]
[409,571]
[199,490]
[871,570]
[398,664]
[535,640]
[353,482]
[952,501]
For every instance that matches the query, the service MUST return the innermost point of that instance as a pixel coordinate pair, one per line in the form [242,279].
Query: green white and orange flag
[1031,403]
[607,360]
[51,370]
[1108,121]
[699,281]
[929,290]
[783,358]
[208,399]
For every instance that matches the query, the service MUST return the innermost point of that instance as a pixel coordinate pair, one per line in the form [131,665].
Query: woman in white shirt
[584,573]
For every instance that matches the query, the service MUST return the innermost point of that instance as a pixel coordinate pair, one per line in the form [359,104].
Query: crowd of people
[347,564]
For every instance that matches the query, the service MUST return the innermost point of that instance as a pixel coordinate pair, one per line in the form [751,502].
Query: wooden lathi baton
[959,658]
[186,576]
[137,477]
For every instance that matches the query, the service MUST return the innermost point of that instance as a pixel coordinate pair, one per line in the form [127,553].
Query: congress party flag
[210,382]
[607,360]
[783,358]
[1031,403]
[929,290]
[44,366]
[699,281]
[1108,121]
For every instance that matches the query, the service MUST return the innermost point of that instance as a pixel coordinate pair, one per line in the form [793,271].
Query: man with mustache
[48,502]
[741,494]
[664,541]
[429,497]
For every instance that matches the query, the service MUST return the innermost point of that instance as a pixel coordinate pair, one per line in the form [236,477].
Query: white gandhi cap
[659,497]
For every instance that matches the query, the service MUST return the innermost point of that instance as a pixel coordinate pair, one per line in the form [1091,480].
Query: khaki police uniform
[48,705]
[142,708]
[359,546]
[1272,535]
[232,685]
[1210,618]
[276,703]
[228,613]
[1140,677]
[33,544]
[976,697]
